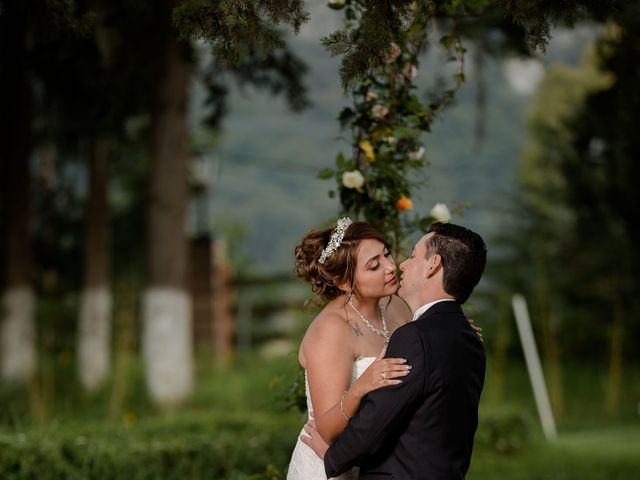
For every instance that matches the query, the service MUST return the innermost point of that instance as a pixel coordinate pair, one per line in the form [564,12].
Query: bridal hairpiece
[336,238]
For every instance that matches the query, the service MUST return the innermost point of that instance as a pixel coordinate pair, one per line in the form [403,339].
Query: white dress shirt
[427,306]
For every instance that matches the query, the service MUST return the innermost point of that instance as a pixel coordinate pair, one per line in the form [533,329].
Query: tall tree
[85,107]
[167,343]
[94,332]
[604,194]
[578,222]
[238,31]
[17,329]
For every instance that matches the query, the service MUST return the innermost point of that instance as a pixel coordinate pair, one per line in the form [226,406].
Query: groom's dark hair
[463,254]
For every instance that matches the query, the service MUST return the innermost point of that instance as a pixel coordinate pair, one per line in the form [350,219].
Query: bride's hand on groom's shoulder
[477,329]
[313,439]
[381,373]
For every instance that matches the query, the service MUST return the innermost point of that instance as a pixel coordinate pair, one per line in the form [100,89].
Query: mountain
[269,157]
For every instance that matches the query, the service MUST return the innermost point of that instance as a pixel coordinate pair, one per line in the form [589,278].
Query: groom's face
[415,270]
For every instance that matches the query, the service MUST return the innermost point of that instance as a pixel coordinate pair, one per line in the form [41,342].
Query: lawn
[236,426]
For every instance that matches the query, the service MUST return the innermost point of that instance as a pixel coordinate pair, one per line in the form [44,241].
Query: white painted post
[532,359]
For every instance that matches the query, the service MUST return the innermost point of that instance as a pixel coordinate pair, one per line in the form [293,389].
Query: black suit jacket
[422,428]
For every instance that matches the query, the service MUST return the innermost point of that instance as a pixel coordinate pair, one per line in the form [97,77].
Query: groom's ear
[435,264]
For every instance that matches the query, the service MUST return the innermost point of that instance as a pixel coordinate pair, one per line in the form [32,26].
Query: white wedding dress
[305,464]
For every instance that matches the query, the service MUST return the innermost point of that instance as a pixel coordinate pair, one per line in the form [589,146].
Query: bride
[342,352]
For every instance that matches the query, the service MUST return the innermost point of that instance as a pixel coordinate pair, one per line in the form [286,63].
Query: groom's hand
[314,440]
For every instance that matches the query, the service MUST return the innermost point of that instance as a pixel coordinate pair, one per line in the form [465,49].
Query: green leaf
[346,115]
[448,40]
[403,132]
[325,173]
[424,223]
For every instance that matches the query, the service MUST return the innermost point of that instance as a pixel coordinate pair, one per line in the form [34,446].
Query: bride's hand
[382,372]
[313,439]
[478,330]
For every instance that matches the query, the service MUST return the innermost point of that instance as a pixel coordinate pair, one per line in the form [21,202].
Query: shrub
[504,431]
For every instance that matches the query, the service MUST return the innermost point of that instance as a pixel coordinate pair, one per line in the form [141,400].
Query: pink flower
[392,53]
[379,111]
[410,71]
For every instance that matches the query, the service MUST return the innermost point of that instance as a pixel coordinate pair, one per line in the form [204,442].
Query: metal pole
[534,367]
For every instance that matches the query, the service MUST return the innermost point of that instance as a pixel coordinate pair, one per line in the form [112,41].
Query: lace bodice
[305,464]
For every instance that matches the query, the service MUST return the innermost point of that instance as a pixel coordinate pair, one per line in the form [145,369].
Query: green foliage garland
[387,116]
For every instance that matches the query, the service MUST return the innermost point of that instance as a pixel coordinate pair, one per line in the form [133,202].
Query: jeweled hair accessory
[336,238]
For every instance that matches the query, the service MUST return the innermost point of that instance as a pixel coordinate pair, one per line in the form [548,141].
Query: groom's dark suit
[422,428]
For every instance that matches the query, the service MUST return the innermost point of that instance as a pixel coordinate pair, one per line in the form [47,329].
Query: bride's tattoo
[356,328]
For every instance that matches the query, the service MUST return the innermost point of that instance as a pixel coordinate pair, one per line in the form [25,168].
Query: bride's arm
[329,354]
[328,351]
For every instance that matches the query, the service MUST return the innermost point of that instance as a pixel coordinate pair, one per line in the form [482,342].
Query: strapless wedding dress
[305,464]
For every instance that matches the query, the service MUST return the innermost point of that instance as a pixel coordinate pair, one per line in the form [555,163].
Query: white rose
[379,111]
[353,179]
[371,96]
[441,212]
[416,154]
[337,3]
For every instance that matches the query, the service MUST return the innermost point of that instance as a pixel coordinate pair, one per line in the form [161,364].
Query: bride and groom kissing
[393,384]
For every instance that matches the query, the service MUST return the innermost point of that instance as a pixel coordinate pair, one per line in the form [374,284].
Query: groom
[423,428]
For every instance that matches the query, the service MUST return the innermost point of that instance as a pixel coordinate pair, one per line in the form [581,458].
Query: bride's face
[375,270]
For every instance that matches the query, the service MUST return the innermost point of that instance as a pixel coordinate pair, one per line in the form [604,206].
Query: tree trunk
[17,332]
[501,351]
[94,333]
[549,337]
[552,348]
[615,357]
[167,338]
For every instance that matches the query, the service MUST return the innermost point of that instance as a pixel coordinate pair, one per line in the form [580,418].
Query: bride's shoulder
[327,339]
[328,326]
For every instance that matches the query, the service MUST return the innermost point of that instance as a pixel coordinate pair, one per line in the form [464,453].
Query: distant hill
[270,156]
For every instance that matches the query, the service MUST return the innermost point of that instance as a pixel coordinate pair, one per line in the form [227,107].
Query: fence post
[223,322]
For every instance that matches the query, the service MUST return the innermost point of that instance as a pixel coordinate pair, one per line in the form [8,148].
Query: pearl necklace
[384,332]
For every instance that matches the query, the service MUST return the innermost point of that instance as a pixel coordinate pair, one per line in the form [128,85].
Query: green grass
[603,454]
[236,426]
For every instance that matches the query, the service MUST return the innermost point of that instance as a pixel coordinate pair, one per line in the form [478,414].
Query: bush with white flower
[387,160]
[441,213]
[353,179]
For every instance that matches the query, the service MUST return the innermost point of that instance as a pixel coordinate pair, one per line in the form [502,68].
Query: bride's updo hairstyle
[340,267]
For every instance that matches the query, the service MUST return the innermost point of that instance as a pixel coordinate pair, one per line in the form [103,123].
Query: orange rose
[404,203]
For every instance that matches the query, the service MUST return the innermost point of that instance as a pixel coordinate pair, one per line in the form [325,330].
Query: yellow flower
[367,148]
[404,203]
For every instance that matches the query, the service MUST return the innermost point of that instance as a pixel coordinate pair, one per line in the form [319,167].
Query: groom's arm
[380,409]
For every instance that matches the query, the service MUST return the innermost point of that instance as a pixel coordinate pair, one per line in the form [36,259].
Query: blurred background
[152,196]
